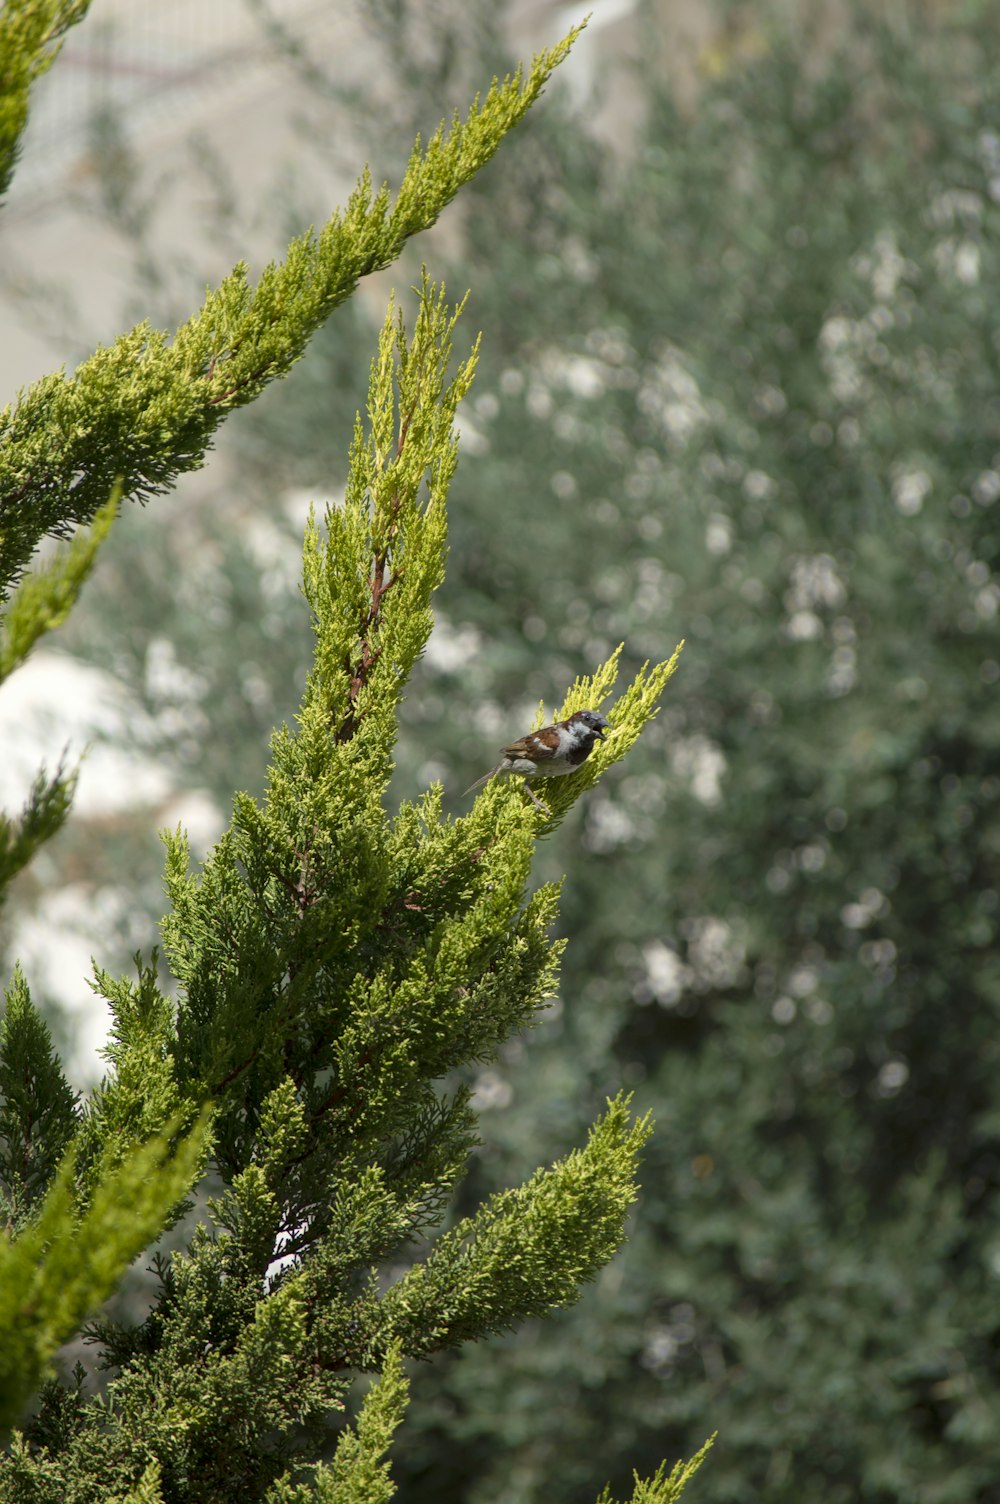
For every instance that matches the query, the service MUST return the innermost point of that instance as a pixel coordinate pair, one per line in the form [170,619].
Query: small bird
[550,752]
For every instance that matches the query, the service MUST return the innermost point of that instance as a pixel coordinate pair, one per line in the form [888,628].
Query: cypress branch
[358,1473]
[45,597]
[146,408]
[663,1487]
[31,33]
[64,1264]
[526,1252]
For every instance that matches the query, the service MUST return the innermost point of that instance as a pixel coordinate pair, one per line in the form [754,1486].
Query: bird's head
[591,721]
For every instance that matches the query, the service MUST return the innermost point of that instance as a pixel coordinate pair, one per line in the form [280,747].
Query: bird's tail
[485,779]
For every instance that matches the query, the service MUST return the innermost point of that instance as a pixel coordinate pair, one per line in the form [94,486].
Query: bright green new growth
[663,1488]
[38,1108]
[65,1241]
[66,1263]
[527,1250]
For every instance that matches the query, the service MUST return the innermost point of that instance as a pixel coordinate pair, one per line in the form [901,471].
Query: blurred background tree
[739,384]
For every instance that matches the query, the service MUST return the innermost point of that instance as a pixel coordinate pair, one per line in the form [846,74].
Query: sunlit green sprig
[663,1487]
[49,801]
[65,1261]
[358,1473]
[525,1252]
[41,602]
[31,33]
[45,597]
[637,704]
[389,535]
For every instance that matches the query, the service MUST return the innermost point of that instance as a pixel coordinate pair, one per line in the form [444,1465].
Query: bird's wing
[535,745]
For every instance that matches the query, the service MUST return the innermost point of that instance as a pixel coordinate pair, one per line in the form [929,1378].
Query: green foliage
[38,1114]
[358,1473]
[335,967]
[41,602]
[526,1251]
[662,1488]
[31,33]
[44,813]
[346,578]
[140,1093]
[146,410]
[63,1263]
[44,598]
[147,1490]
[68,1235]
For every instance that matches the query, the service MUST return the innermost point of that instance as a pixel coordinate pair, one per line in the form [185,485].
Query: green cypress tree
[335,965]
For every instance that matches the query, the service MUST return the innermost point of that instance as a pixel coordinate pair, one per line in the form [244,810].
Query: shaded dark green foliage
[37,1116]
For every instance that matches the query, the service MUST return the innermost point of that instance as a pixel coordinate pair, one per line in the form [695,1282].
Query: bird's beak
[606,725]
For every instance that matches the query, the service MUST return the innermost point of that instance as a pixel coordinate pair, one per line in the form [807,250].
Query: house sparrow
[550,752]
